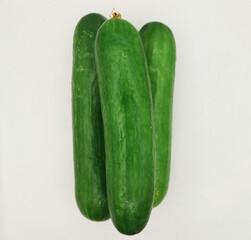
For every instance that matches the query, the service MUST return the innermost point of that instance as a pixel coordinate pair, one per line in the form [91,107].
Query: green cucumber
[159,45]
[88,136]
[127,111]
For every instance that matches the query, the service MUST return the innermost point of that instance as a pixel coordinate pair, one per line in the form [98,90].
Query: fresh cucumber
[127,111]
[88,139]
[159,45]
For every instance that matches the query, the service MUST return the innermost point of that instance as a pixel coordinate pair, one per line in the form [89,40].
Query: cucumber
[88,136]
[127,111]
[159,45]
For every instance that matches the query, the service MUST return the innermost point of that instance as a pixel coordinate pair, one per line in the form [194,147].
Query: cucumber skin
[88,142]
[127,111]
[160,49]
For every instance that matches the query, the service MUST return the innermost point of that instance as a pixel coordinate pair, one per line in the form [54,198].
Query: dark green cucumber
[160,50]
[127,111]
[88,137]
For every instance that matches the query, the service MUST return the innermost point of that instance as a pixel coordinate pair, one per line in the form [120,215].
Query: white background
[210,189]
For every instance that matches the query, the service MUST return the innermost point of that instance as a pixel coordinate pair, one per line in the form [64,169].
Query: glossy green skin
[88,137]
[126,103]
[160,50]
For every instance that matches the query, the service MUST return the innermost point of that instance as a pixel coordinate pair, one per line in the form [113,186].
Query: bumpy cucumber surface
[127,112]
[88,137]
[159,45]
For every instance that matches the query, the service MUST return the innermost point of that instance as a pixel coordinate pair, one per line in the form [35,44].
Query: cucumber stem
[115,14]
